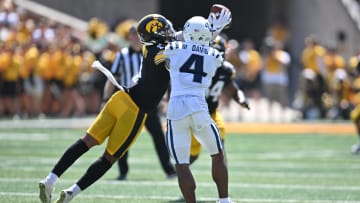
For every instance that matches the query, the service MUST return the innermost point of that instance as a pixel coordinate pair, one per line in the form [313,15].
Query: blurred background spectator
[274,77]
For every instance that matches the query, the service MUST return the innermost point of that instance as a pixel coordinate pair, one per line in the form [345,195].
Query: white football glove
[220,22]
[242,100]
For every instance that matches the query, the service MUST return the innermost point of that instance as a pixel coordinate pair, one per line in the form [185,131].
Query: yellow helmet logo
[154,25]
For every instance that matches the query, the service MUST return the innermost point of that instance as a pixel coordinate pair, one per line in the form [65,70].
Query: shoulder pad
[214,52]
[229,67]
[159,57]
[175,45]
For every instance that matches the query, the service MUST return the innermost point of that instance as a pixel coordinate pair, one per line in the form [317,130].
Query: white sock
[75,189]
[51,179]
[225,200]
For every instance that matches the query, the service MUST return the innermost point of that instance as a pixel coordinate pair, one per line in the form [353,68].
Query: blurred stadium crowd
[45,69]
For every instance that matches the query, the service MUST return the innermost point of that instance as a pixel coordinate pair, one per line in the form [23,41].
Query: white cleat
[45,192]
[65,197]
[355,149]
[225,201]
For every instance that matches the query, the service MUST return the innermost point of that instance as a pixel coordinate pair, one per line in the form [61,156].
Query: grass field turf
[276,168]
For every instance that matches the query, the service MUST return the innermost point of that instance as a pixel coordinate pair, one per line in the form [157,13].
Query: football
[217,8]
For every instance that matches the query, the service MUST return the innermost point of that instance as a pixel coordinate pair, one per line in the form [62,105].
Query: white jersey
[192,67]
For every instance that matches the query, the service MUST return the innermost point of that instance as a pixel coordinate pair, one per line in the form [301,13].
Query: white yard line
[66,123]
[239,164]
[201,184]
[23,136]
[234,173]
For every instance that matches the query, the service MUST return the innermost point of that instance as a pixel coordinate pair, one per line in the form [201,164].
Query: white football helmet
[197,29]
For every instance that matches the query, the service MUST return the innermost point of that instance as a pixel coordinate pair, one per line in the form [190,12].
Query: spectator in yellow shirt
[275,75]
[11,61]
[43,69]
[250,69]
[312,59]
[312,56]
[32,85]
[74,104]
[332,62]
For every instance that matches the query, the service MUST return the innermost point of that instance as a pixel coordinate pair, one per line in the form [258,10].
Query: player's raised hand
[219,17]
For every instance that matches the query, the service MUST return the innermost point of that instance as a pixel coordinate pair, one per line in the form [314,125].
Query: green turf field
[302,168]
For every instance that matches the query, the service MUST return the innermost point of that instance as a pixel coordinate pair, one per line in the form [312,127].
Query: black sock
[94,172]
[123,164]
[70,156]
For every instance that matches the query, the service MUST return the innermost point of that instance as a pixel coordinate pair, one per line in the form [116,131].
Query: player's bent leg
[186,182]
[208,135]
[123,166]
[195,149]
[75,151]
[210,139]
[95,171]
[220,174]
[89,140]
[179,141]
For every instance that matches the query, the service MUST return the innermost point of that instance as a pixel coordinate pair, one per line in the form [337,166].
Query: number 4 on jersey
[198,62]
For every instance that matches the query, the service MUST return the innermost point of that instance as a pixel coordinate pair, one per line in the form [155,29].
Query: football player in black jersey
[122,117]
[125,67]
[222,82]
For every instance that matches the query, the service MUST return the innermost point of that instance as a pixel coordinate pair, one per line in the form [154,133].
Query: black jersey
[223,76]
[153,81]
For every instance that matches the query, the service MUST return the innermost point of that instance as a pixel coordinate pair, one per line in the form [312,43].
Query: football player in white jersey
[192,64]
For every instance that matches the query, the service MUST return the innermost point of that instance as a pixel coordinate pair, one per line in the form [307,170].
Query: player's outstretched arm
[97,65]
[237,94]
